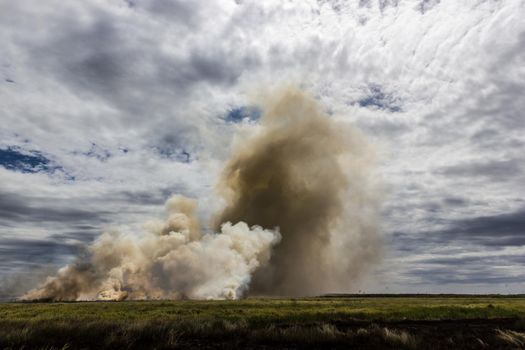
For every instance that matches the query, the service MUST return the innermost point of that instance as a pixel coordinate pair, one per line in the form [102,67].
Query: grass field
[437,322]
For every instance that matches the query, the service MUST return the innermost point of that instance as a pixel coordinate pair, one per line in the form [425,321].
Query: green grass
[377,322]
[274,310]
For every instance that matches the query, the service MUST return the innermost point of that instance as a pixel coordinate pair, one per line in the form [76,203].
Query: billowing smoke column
[310,176]
[303,204]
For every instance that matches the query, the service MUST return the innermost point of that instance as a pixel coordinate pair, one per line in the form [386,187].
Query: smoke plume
[172,260]
[299,218]
[311,177]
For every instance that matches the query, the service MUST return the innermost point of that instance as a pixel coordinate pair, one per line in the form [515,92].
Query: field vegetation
[411,322]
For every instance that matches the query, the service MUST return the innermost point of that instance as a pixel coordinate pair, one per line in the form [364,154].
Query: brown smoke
[303,202]
[310,176]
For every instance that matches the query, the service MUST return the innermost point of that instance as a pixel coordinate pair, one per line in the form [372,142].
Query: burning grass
[372,322]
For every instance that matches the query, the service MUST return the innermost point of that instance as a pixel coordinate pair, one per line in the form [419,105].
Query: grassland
[332,322]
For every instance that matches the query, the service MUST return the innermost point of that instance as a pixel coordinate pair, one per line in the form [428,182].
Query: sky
[110,106]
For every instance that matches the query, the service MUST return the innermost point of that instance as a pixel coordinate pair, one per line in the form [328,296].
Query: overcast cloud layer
[108,107]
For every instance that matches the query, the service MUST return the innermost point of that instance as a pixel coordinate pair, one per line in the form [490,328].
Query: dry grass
[513,338]
[399,338]
[172,335]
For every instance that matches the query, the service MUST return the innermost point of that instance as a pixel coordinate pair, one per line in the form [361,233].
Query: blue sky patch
[14,158]
[238,114]
[379,99]
[17,159]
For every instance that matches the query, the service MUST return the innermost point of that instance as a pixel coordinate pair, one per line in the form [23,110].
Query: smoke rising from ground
[300,218]
[311,177]
[172,260]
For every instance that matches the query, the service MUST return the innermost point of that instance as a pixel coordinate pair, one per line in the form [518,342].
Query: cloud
[495,170]
[110,106]
[24,253]
[488,231]
[448,275]
[16,208]
[492,230]
[181,11]
[427,5]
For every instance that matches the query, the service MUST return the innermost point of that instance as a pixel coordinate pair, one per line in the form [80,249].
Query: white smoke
[170,260]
